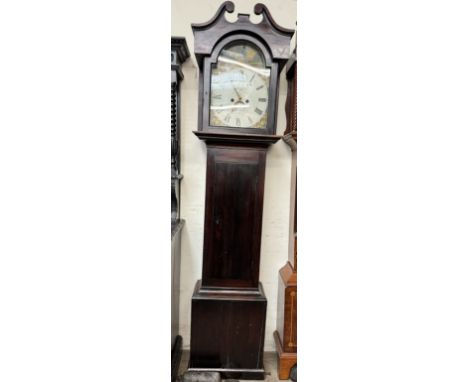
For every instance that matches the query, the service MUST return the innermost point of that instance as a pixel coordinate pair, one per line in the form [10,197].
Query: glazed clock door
[239,87]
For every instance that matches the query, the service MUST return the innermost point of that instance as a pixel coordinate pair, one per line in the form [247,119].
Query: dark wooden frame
[228,303]
[285,335]
[291,100]
[221,159]
[205,92]
[179,54]
[211,37]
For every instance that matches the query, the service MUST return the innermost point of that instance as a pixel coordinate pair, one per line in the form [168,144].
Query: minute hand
[238,95]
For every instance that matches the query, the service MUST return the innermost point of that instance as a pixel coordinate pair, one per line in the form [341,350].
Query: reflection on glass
[239,88]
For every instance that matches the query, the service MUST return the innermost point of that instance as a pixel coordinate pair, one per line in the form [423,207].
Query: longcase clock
[179,53]
[286,318]
[239,63]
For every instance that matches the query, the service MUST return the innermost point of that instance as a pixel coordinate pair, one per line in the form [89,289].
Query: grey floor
[269,360]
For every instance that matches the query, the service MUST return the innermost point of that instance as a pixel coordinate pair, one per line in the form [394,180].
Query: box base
[228,332]
[285,360]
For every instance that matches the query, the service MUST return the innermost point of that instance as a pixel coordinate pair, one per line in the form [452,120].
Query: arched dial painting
[239,87]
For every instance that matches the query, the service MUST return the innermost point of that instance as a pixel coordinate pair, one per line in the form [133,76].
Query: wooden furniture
[179,53]
[239,65]
[286,324]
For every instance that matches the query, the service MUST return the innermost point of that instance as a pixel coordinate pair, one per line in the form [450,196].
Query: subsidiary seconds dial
[239,88]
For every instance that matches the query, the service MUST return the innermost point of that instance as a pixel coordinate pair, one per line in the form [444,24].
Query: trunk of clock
[228,304]
[233,216]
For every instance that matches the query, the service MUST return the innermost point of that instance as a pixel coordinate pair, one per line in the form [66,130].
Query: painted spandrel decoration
[239,88]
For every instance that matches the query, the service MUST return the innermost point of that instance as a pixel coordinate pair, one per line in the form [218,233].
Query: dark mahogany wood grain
[228,304]
[211,37]
[179,54]
[228,333]
[233,216]
[291,99]
[276,37]
[238,139]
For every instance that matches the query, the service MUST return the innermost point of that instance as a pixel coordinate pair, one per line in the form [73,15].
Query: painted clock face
[239,88]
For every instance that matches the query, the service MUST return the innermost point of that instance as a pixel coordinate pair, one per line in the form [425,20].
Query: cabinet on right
[286,324]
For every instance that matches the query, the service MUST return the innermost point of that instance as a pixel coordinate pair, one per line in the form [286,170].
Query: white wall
[275,230]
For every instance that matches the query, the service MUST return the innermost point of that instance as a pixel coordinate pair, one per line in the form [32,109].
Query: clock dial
[239,88]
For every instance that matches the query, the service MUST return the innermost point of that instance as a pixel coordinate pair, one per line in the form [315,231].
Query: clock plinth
[239,64]
[286,333]
[228,331]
